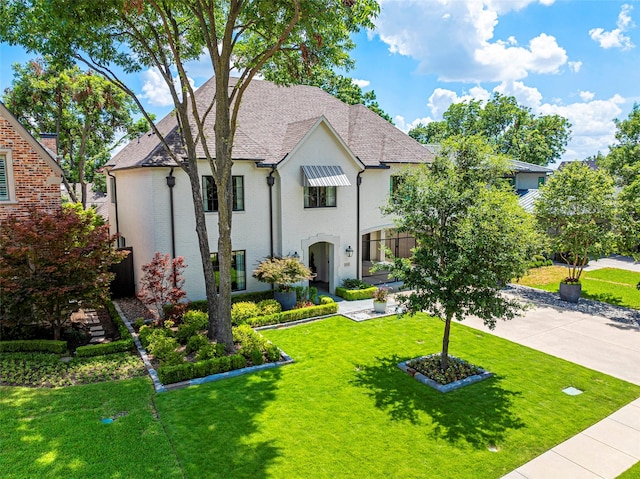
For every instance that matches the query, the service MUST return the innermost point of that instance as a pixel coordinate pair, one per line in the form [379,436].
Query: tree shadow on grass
[215,429]
[480,414]
[603,297]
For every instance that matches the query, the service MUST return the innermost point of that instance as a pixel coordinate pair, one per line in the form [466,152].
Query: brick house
[29,174]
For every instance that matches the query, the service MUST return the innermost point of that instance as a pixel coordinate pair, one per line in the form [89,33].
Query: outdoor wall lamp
[295,255]
[349,251]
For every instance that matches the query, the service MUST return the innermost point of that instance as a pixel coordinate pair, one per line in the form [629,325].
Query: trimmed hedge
[201,305]
[183,372]
[33,345]
[120,346]
[293,315]
[355,294]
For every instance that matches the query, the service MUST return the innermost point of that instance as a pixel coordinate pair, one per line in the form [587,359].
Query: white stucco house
[310,175]
[527,179]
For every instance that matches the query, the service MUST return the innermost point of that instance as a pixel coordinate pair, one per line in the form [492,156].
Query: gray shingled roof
[527,198]
[524,167]
[271,122]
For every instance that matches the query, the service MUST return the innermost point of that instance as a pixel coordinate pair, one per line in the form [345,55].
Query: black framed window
[210,193]
[319,196]
[541,180]
[238,270]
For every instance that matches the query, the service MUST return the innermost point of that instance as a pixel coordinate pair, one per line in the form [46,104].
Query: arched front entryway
[320,251]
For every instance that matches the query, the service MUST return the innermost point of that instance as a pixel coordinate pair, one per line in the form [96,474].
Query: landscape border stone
[443,388]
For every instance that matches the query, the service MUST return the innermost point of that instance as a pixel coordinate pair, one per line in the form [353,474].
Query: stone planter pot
[380,306]
[287,299]
[570,292]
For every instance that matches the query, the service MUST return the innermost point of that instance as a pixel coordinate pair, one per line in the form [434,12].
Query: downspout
[114,193]
[270,182]
[358,240]
[171,182]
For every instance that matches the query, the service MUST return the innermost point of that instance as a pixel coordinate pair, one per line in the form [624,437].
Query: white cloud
[441,99]
[526,96]
[575,66]
[155,90]
[404,126]
[361,83]
[470,52]
[616,37]
[586,95]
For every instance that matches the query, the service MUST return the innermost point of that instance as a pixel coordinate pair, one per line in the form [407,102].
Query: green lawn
[611,285]
[58,433]
[632,473]
[344,409]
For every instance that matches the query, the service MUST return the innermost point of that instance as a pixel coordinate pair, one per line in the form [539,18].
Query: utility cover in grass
[458,374]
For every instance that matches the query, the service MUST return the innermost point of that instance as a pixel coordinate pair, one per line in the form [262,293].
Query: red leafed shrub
[162,283]
[51,262]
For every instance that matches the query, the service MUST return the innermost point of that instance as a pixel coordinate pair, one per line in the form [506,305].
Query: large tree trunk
[444,357]
[224,143]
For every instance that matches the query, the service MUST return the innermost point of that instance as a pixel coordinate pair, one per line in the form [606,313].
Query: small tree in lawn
[472,237]
[162,283]
[51,263]
[576,209]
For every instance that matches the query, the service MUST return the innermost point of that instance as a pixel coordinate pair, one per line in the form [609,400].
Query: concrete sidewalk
[610,447]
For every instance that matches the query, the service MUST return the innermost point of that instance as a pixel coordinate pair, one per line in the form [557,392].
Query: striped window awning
[324,176]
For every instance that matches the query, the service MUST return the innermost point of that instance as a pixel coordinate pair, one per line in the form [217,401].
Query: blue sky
[579,59]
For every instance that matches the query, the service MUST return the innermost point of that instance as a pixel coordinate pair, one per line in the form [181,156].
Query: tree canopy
[472,235]
[89,115]
[623,163]
[510,128]
[576,209]
[249,36]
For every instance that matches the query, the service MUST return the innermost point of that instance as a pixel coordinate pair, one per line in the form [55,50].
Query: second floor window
[4,178]
[210,193]
[319,196]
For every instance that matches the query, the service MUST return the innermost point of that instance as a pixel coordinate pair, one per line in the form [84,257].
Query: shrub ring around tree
[443,388]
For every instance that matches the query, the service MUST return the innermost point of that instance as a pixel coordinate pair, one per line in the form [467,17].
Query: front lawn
[59,433]
[344,409]
[610,285]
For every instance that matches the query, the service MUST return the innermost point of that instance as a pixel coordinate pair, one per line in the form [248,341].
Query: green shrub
[117,320]
[324,299]
[34,345]
[175,373]
[210,351]
[201,305]
[106,348]
[538,261]
[354,283]
[295,314]
[164,348]
[192,322]
[240,312]
[269,306]
[138,323]
[356,294]
[257,358]
[273,352]
[144,333]
[196,342]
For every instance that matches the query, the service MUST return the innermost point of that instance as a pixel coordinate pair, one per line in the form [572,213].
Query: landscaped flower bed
[458,373]
[49,370]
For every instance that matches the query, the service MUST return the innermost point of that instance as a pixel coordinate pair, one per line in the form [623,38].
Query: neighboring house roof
[524,167]
[271,122]
[43,152]
[94,198]
[590,163]
[528,198]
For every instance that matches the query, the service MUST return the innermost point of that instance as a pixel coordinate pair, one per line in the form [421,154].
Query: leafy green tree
[52,263]
[576,209]
[89,114]
[623,163]
[510,128]
[472,236]
[289,36]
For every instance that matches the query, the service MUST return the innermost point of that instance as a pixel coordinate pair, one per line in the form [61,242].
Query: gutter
[270,182]
[358,239]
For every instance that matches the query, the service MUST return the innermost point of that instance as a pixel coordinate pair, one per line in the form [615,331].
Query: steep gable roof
[272,120]
[43,152]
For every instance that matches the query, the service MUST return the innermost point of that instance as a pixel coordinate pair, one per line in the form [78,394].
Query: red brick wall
[30,174]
